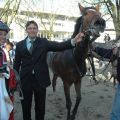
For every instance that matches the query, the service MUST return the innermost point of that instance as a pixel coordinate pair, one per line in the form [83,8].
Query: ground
[96,103]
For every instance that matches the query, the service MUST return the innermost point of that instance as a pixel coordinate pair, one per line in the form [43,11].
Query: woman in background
[7,79]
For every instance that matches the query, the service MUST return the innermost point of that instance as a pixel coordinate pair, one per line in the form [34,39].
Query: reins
[87,33]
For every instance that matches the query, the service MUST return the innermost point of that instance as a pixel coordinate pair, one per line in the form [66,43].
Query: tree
[9,11]
[47,20]
[114,11]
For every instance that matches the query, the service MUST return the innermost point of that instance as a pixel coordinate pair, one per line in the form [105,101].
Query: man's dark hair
[31,22]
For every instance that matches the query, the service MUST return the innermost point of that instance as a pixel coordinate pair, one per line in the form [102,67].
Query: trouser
[12,113]
[115,114]
[11,98]
[39,99]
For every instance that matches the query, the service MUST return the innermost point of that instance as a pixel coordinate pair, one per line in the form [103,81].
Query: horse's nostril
[100,22]
[103,23]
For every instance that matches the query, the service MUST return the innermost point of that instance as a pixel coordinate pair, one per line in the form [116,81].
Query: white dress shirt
[28,42]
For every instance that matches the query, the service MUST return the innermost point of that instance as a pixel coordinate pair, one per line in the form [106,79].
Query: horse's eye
[85,13]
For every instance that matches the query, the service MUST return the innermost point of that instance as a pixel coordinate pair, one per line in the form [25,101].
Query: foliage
[9,11]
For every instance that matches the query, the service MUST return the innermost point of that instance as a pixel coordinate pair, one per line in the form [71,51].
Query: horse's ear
[97,7]
[81,8]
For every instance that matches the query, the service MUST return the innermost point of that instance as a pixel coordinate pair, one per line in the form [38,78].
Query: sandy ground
[96,102]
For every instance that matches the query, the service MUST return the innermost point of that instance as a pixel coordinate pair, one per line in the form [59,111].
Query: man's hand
[78,38]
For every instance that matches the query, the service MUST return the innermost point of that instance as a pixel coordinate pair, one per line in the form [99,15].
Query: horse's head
[90,22]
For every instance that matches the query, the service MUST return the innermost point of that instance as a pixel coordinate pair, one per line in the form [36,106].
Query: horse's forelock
[87,8]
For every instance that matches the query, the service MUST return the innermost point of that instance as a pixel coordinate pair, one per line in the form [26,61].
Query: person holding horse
[30,62]
[7,79]
[113,53]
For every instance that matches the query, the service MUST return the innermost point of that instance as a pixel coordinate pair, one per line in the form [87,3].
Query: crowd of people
[29,61]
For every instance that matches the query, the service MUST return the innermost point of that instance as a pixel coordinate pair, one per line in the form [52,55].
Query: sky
[67,7]
[64,7]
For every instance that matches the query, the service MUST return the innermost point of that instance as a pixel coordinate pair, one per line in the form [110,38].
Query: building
[56,21]
[51,26]
[108,30]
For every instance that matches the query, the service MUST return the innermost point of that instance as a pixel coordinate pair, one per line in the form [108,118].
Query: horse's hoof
[72,117]
[96,81]
[69,118]
[54,89]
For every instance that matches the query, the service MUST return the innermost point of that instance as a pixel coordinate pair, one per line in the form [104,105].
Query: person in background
[30,63]
[7,79]
[107,38]
[8,49]
[113,54]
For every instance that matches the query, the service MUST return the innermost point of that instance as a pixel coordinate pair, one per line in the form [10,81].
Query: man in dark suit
[33,69]
[113,54]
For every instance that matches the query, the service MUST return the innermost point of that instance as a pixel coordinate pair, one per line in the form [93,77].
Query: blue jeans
[115,115]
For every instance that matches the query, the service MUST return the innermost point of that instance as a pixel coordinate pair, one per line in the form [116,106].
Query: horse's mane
[77,27]
[79,22]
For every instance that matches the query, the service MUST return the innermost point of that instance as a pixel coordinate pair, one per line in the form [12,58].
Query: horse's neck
[81,51]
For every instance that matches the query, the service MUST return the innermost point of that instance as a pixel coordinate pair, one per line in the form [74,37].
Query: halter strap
[81,27]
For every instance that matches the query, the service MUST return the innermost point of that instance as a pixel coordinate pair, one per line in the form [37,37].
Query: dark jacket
[25,63]
[108,53]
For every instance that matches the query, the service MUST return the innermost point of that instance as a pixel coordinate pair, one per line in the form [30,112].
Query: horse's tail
[50,56]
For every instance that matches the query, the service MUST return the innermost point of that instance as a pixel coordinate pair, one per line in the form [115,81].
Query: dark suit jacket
[25,62]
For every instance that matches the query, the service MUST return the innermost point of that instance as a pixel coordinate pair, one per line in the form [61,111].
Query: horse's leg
[114,80]
[78,98]
[93,68]
[54,82]
[68,100]
[96,82]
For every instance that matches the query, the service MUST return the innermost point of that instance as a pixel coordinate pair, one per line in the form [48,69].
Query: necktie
[31,47]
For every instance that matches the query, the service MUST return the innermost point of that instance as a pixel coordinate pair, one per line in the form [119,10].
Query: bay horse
[70,64]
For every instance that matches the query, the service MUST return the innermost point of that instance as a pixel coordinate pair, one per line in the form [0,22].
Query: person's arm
[59,46]
[103,53]
[17,61]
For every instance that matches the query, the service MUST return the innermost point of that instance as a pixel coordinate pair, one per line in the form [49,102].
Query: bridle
[87,33]
[90,29]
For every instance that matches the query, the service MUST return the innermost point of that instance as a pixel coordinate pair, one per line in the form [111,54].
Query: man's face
[32,31]
[3,35]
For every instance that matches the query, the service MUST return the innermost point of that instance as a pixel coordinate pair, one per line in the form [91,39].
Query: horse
[112,61]
[70,64]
